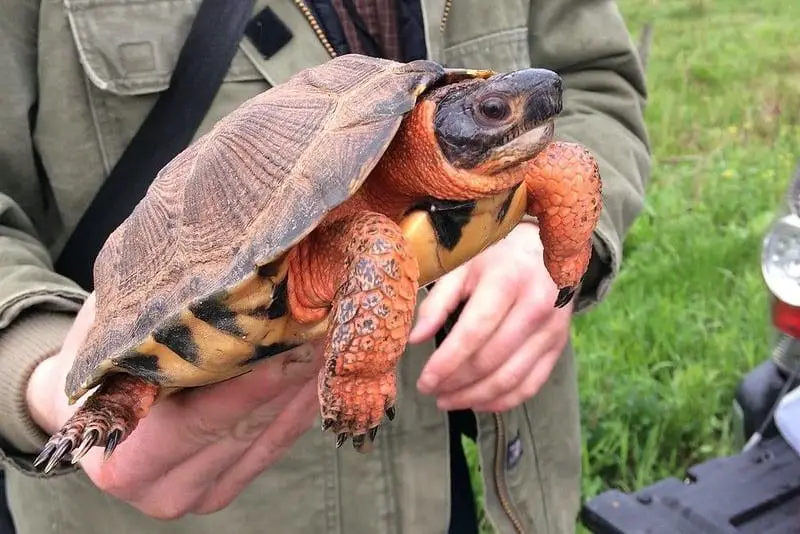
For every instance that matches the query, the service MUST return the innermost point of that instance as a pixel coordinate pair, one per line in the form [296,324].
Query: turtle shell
[184,285]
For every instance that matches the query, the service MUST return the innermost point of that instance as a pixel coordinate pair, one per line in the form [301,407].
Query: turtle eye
[494,108]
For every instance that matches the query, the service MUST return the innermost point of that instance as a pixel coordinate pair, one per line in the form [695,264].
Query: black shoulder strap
[168,128]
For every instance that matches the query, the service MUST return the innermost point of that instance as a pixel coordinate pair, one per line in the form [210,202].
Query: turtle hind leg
[363,268]
[106,419]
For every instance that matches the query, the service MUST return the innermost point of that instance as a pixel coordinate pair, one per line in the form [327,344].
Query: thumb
[80,328]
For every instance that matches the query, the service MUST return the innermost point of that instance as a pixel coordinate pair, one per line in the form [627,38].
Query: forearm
[36,304]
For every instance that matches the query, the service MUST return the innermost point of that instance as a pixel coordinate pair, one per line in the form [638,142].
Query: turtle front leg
[361,268]
[106,419]
[565,193]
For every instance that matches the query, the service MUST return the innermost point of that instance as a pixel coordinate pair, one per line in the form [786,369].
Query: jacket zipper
[499,471]
[499,474]
[445,14]
[312,21]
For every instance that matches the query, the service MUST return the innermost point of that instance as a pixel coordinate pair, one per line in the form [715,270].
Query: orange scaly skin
[564,193]
[413,167]
[113,412]
[563,183]
[360,263]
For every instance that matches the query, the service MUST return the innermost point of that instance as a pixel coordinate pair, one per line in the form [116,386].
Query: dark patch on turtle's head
[493,124]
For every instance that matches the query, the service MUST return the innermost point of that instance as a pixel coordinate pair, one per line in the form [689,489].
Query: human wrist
[31,339]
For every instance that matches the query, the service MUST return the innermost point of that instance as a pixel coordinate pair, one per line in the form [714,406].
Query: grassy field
[660,358]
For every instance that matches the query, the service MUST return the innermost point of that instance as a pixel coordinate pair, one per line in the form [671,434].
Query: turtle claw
[106,419]
[89,439]
[565,295]
[74,438]
[44,454]
[363,442]
[114,439]
[53,453]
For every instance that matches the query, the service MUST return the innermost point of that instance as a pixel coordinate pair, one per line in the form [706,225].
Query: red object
[786,318]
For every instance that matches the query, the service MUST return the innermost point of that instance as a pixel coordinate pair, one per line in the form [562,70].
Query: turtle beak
[544,89]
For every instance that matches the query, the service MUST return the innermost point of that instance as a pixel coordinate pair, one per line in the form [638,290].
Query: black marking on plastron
[503,211]
[178,338]
[448,217]
[142,365]
[216,313]
[263,352]
[279,305]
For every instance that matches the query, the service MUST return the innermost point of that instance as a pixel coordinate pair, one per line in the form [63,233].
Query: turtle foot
[367,270]
[106,419]
[356,411]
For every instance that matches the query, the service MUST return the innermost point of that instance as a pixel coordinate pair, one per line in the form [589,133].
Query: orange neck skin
[563,184]
[414,168]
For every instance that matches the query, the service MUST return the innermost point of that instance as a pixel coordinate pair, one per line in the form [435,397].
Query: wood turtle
[318,208]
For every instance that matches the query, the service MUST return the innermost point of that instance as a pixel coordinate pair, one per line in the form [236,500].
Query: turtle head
[488,125]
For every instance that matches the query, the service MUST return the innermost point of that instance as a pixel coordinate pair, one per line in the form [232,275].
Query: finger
[443,299]
[182,426]
[491,301]
[506,378]
[531,313]
[184,488]
[529,387]
[205,417]
[269,447]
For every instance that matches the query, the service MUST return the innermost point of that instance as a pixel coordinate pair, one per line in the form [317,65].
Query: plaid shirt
[379,19]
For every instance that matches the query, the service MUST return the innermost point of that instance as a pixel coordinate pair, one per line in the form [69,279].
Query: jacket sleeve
[588,44]
[37,306]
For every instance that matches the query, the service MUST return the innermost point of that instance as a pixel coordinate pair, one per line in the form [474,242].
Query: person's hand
[507,338]
[196,450]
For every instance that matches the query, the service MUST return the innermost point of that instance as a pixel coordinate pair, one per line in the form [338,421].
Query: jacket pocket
[128,51]
[131,48]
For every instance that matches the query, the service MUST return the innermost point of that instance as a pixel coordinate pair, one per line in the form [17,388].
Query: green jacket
[76,80]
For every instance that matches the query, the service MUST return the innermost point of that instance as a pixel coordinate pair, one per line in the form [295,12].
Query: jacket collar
[305,48]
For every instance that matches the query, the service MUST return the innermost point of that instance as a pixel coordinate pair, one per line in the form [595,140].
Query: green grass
[660,358]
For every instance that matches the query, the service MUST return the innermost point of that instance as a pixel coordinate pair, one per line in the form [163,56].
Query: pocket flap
[131,47]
